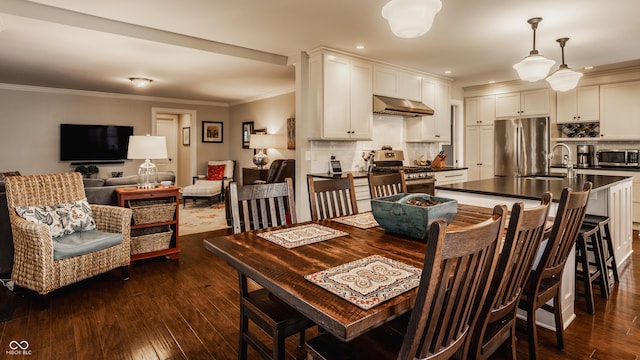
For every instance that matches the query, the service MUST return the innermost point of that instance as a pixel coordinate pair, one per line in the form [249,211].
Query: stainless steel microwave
[618,157]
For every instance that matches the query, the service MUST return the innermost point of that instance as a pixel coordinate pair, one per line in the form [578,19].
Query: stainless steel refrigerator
[521,146]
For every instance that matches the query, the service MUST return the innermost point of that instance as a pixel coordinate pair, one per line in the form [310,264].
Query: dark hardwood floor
[187,309]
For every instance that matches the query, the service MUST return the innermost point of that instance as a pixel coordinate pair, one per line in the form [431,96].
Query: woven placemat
[362,220]
[301,235]
[368,282]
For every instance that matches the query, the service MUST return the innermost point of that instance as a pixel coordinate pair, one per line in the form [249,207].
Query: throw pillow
[215,172]
[62,219]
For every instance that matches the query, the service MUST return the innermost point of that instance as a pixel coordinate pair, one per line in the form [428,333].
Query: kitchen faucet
[571,173]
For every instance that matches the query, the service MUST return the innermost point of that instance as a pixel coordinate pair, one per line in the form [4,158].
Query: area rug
[200,217]
[368,282]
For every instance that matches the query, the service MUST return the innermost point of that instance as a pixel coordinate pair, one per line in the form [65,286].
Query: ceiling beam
[57,15]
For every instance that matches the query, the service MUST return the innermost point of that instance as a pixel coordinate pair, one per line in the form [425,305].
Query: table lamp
[262,142]
[147,148]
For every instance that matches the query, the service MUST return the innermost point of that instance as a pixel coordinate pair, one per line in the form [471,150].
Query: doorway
[178,126]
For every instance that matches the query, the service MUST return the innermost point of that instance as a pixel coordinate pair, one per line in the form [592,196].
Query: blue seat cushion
[83,242]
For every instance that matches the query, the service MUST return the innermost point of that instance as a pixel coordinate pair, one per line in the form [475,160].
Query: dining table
[285,272]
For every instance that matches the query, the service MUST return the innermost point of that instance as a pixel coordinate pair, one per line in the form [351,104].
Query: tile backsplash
[387,130]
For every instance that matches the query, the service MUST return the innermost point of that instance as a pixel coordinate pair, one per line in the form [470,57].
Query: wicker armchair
[34,265]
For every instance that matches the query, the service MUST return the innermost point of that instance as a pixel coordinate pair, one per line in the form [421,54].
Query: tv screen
[94,142]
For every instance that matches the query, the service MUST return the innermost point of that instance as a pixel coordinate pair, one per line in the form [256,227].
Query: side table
[250,175]
[158,210]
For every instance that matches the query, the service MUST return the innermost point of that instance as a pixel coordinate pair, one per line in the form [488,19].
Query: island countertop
[526,188]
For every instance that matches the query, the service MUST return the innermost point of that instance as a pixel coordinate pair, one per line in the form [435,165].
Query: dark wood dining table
[282,270]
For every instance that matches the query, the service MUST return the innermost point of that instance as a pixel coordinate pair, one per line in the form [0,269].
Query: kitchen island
[610,196]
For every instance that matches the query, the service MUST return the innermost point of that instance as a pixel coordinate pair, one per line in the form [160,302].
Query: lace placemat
[301,235]
[368,282]
[362,220]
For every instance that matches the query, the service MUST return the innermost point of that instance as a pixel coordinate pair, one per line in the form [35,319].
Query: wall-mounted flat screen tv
[94,142]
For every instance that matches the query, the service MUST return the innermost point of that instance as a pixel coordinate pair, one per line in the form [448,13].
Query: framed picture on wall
[186,136]
[211,132]
[291,133]
[247,130]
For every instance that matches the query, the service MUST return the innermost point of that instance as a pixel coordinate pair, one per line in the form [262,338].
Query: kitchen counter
[611,168]
[356,175]
[610,196]
[523,188]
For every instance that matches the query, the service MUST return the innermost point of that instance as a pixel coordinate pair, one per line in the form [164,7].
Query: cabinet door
[443,113]
[588,103]
[336,97]
[508,105]
[480,110]
[620,111]
[361,106]
[385,81]
[566,106]
[534,102]
[472,145]
[409,86]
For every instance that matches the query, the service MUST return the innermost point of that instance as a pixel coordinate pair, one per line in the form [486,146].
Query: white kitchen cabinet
[392,82]
[342,91]
[581,104]
[450,177]
[523,103]
[479,145]
[620,111]
[436,128]
[620,205]
[480,110]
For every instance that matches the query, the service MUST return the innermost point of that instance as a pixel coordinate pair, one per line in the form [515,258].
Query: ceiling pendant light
[564,78]
[411,18]
[535,66]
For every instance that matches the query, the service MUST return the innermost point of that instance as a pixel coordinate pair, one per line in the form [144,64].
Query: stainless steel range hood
[393,106]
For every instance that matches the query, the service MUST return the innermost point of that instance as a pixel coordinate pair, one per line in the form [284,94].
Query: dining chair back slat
[496,321]
[387,184]
[332,198]
[260,206]
[546,278]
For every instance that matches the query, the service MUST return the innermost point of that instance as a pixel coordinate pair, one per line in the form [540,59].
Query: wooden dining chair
[387,184]
[456,264]
[546,277]
[332,198]
[257,207]
[496,321]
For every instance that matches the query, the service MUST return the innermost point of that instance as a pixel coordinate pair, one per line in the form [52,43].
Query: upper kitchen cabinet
[342,93]
[523,103]
[581,104]
[620,111]
[436,128]
[388,81]
[480,110]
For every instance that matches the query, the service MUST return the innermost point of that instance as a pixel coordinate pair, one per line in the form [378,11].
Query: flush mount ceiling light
[564,78]
[535,66]
[410,18]
[140,82]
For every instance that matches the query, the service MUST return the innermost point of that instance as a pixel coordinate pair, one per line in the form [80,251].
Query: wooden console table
[158,194]
[250,175]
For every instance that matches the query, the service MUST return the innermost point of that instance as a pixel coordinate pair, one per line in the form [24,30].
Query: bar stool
[590,265]
[608,253]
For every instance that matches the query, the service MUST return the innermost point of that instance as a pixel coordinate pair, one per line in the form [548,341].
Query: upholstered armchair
[41,206]
[219,174]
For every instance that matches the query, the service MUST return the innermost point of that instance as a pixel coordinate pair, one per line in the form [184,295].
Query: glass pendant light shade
[411,18]
[535,66]
[564,78]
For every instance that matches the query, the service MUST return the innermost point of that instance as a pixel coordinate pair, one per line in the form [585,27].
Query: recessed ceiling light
[140,82]
[447,71]
[588,67]
[492,81]
[360,47]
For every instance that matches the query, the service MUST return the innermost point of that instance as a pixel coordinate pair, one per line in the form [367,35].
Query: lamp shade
[266,141]
[564,79]
[411,18]
[147,147]
[534,67]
